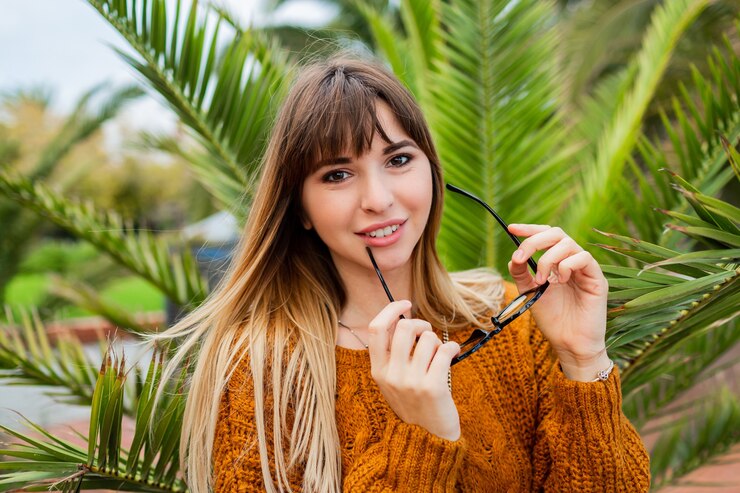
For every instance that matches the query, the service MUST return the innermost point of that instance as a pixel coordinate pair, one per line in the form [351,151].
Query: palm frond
[38,94]
[221,82]
[82,123]
[659,312]
[219,185]
[668,23]
[175,274]
[150,464]
[598,37]
[732,156]
[421,20]
[496,70]
[704,120]
[28,357]
[691,363]
[85,296]
[19,226]
[475,109]
[392,46]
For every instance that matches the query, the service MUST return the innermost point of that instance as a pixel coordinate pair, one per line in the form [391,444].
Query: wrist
[584,369]
[451,435]
[446,431]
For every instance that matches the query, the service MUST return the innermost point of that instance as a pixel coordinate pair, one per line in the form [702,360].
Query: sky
[64,45]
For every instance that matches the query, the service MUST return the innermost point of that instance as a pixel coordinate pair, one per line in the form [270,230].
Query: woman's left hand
[572,312]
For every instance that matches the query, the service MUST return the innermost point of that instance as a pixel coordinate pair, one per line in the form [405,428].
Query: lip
[386,240]
[385,224]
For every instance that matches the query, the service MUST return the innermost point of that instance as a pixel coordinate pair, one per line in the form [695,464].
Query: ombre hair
[278,303]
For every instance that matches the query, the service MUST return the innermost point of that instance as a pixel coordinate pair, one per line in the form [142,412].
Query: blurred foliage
[154,188]
[73,155]
[61,257]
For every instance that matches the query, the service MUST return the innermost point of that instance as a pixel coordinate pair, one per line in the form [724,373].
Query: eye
[335,176]
[400,160]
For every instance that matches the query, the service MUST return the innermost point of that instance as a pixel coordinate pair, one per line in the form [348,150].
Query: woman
[309,379]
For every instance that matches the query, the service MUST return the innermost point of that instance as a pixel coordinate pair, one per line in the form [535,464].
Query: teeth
[380,233]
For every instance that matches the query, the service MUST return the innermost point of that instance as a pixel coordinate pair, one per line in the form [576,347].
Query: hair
[279,300]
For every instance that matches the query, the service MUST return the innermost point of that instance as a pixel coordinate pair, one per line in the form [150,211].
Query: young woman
[309,379]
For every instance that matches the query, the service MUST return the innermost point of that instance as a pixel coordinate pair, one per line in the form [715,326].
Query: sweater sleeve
[407,459]
[584,442]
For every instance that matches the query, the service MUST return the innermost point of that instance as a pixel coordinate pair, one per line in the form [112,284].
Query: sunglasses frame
[484,335]
[487,335]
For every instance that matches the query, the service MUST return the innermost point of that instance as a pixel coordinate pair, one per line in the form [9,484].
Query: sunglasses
[511,312]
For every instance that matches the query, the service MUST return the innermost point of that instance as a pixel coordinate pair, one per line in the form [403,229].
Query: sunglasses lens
[516,305]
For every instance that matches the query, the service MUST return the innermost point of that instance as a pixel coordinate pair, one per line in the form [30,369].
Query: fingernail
[538,278]
[519,255]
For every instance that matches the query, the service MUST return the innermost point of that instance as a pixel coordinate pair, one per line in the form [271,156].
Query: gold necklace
[445,339]
[353,333]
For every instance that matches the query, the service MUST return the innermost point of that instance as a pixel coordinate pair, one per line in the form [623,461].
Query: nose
[377,195]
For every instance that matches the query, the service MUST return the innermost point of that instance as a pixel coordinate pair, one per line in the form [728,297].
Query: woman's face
[381,199]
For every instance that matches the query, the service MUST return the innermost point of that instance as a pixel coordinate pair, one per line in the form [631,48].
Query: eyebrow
[387,150]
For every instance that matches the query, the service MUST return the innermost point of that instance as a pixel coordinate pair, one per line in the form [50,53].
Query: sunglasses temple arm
[380,276]
[503,224]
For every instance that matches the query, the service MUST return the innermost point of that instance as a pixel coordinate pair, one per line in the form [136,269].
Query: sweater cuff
[597,406]
[420,460]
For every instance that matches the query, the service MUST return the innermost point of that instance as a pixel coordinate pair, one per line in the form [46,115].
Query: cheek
[323,211]
[424,192]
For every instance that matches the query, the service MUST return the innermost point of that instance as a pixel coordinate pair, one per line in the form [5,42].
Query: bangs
[343,121]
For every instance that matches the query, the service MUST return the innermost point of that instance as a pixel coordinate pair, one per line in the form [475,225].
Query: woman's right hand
[415,385]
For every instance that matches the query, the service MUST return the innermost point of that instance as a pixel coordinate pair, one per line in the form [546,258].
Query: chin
[390,260]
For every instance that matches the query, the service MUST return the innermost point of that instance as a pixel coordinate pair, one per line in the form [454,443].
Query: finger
[541,240]
[527,229]
[581,263]
[554,256]
[403,340]
[522,276]
[440,364]
[519,268]
[424,352]
[379,329]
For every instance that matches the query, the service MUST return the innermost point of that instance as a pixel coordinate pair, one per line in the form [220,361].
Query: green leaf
[670,294]
[668,23]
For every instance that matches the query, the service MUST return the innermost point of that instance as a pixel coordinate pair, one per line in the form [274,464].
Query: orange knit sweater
[525,427]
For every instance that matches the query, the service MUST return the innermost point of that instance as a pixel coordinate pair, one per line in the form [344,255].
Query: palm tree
[489,78]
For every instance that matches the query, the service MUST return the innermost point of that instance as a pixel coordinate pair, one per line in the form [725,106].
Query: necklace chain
[445,339]
[353,333]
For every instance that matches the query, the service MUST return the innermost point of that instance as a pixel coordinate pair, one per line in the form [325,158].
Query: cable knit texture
[525,427]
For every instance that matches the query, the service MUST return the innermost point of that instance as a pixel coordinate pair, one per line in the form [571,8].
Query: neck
[366,296]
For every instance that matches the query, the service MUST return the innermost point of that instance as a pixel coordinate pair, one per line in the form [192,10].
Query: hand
[414,385]
[572,312]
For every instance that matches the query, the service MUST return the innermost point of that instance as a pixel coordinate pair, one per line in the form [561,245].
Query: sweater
[524,427]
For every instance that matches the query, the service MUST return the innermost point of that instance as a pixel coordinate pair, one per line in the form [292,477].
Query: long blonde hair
[279,301]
